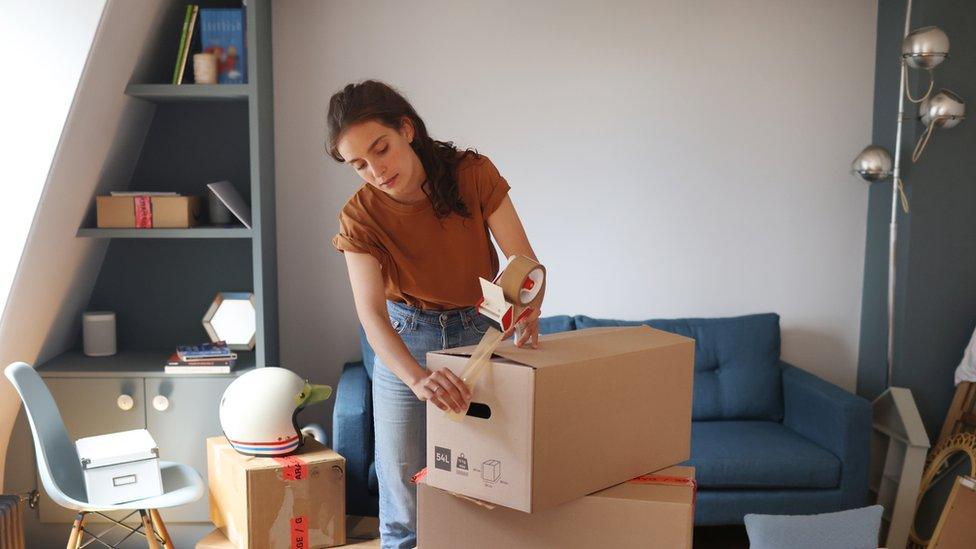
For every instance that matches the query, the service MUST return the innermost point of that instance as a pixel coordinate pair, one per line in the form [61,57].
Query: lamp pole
[893,234]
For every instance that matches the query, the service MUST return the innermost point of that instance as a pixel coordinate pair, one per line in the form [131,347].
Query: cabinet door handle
[160,403]
[125,402]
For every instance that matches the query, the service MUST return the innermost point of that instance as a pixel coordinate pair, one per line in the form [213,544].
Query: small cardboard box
[168,212]
[120,467]
[635,514]
[586,410]
[263,502]
[216,540]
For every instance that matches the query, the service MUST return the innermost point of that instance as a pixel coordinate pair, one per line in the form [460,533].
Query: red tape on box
[419,476]
[299,532]
[670,481]
[293,468]
[143,205]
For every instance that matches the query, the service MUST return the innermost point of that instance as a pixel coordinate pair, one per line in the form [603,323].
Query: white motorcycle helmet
[258,411]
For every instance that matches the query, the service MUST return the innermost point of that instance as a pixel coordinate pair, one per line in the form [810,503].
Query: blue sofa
[767,437]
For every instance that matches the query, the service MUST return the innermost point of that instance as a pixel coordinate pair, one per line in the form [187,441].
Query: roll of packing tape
[523,282]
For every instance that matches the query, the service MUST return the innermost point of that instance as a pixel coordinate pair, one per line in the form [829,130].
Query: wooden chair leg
[76,533]
[161,528]
[147,526]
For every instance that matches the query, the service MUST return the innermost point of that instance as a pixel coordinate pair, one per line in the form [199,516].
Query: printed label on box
[442,458]
[299,533]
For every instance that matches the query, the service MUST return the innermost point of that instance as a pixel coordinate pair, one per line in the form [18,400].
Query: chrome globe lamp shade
[944,109]
[874,163]
[925,48]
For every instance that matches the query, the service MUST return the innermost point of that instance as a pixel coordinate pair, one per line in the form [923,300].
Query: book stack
[222,33]
[206,358]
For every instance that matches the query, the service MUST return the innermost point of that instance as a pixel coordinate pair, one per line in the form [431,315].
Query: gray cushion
[850,529]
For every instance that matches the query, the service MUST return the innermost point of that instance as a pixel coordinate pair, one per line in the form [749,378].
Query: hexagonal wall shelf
[232,318]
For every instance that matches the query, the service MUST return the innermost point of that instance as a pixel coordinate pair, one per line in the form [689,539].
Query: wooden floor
[363,531]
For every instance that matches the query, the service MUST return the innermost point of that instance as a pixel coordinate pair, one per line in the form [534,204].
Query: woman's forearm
[390,349]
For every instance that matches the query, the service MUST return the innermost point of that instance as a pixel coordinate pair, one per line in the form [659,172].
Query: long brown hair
[374,100]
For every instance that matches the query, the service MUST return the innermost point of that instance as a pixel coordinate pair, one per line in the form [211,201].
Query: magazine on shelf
[227,194]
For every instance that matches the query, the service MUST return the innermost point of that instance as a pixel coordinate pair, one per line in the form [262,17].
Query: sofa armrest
[834,419]
[352,427]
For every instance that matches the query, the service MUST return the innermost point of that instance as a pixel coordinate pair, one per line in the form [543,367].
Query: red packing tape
[143,206]
[292,468]
[299,532]
[667,480]
[419,476]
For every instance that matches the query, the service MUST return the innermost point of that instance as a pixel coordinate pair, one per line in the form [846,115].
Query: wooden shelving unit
[160,282]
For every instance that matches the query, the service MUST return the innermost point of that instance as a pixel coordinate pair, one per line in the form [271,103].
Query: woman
[416,238]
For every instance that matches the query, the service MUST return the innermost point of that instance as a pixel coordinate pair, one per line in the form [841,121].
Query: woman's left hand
[528,329]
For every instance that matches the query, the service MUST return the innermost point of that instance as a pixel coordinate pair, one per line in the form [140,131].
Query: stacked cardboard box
[263,502]
[553,436]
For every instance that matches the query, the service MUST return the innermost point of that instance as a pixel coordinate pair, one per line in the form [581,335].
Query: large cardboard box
[634,514]
[168,212]
[262,502]
[216,540]
[586,410]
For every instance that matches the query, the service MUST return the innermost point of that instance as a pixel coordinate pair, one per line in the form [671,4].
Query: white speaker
[98,333]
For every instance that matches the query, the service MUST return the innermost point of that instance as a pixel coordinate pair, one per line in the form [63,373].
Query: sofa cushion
[853,528]
[557,323]
[758,454]
[737,375]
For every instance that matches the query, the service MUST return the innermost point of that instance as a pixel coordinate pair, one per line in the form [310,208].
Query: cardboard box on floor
[262,502]
[629,515]
[217,540]
[586,410]
[168,212]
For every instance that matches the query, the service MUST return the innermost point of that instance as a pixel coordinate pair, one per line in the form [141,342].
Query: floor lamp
[899,443]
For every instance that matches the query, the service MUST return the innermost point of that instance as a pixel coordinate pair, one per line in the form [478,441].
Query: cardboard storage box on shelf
[586,410]
[656,511]
[264,502]
[167,212]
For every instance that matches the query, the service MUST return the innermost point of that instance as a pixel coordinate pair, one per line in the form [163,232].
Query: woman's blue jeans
[400,418]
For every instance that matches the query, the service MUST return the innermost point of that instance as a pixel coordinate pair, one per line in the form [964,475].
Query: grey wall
[936,297]
[668,158]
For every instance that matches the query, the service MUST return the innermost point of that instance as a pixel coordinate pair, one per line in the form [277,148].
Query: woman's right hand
[444,389]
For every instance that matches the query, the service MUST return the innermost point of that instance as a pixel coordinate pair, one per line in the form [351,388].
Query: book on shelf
[222,33]
[175,360]
[186,37]
[204,350]
[170,369]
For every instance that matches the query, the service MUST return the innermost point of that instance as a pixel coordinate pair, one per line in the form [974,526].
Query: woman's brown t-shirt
[428,263]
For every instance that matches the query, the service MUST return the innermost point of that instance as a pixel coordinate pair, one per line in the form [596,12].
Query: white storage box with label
[120,467]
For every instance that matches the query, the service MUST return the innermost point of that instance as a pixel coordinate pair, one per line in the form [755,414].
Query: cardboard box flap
[579,345]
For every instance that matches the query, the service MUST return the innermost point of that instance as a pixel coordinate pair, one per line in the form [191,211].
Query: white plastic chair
[63,479]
